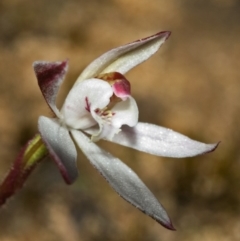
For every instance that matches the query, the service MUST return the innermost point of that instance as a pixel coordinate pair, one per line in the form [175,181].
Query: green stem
[31,154]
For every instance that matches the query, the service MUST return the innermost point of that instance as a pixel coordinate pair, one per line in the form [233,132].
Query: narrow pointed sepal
[161,141]
[60,146]
[123,180]
[31,154]
[124,58]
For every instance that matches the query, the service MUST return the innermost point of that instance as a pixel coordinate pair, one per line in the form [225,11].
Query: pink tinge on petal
[122,88]
[50,76]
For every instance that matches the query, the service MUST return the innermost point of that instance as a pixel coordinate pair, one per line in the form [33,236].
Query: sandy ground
[192,85]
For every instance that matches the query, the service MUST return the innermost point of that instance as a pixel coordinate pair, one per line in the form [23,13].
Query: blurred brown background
[192,85]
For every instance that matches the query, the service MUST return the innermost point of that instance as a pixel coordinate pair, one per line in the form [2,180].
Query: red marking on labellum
[105,114]
[87,108]
[97,111]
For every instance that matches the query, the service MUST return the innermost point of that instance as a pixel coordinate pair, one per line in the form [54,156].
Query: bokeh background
[192,85]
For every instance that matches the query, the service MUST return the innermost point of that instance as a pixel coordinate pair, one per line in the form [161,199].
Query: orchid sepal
[50,76]
[123,180]
[124,58]
[61,148]
[161,141]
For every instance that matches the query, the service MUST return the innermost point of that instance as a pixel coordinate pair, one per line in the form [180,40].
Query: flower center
[105,114]
[121,89]
[103,103]
[121,86]
[118,106]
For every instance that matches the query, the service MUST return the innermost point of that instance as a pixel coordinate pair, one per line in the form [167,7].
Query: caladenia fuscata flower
[100,106]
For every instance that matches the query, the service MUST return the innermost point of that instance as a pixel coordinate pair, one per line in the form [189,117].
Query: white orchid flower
[100,106]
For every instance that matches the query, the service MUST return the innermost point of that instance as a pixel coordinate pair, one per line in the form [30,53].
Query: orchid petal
[123,180]
[60,146]
[125,113]
[82,101]
[161,141]
[104,130]
[50,76]
[125,57]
